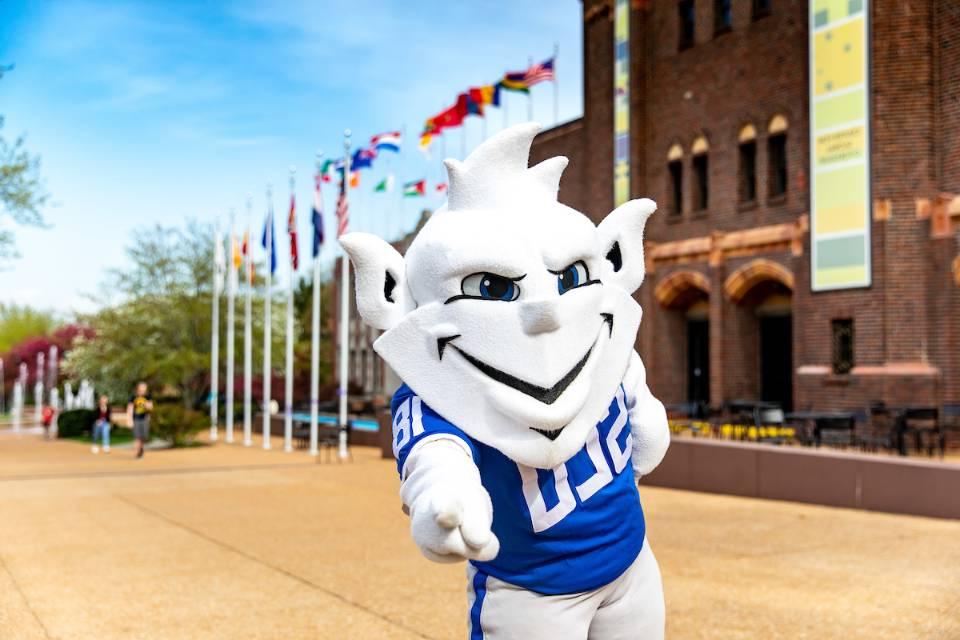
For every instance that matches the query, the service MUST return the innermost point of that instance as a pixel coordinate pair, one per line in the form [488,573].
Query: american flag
[343,213]
[540,72]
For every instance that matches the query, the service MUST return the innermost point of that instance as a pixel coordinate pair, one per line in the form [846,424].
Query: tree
[21,192]
[159,328]
[18,323]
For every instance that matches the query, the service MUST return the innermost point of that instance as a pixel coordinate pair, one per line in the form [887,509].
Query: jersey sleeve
[414,423]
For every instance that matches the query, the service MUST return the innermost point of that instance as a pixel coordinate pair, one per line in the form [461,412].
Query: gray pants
[141,428]
[629,608]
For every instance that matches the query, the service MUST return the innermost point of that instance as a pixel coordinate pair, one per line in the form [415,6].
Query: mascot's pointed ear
[621,235]
[382,295]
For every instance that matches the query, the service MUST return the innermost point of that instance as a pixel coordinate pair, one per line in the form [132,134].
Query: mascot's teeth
[551,435]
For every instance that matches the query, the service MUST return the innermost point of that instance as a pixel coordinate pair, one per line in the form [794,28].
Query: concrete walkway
[228,542]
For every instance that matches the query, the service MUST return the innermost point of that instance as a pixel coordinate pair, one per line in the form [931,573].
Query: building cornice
[719,246]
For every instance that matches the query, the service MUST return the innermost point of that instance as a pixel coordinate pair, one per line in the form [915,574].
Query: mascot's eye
[489,286]
[576,275]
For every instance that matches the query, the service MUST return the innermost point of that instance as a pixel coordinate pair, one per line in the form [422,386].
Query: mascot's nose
[539,316]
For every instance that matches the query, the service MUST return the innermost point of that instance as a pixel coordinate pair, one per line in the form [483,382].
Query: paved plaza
[230,542]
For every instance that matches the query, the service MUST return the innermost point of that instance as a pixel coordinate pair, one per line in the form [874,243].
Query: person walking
[138,412]
[101,426]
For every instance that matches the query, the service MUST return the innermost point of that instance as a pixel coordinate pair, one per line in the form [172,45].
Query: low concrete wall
[815,476]
[357,436]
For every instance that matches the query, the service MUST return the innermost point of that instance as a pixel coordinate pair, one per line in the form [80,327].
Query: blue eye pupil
[496,287]
[569,279]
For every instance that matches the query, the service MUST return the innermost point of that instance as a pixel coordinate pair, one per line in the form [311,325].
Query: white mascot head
[511,314]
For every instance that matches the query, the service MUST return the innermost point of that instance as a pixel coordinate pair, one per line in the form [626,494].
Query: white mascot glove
[648,420]
[450,511]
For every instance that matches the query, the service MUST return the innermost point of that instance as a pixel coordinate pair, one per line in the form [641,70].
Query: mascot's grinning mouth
[546,395]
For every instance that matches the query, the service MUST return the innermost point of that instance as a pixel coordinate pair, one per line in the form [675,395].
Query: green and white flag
[385,185]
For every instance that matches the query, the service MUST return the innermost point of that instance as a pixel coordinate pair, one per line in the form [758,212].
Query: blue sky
[148,113]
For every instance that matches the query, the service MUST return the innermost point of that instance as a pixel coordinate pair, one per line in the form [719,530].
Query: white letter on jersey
[620,458]
[540,517]
[401,428]
[602,477]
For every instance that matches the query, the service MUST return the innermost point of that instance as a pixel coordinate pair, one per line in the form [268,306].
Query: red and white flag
[292,230]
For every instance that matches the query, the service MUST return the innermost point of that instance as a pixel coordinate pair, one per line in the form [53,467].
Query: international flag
[540,72]
[235,256]
[426,138]
[450,117]
[330,168]
[487,94]
[416,189]
[317,216]
[245,250]
[386,141]
[354,179]
[363,159]
[343,212]
[292,231]
[268,231]
[441,187]
[468,105]
[385,185]
[515,81]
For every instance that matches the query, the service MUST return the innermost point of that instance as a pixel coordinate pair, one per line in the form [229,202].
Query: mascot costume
[525,418]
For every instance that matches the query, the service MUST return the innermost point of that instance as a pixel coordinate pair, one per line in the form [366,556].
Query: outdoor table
[826,421]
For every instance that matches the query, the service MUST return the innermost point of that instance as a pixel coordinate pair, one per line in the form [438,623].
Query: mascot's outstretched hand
[524,417]
[450,511]
[648,420]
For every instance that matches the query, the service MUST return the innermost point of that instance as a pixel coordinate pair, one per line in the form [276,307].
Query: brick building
[719,100]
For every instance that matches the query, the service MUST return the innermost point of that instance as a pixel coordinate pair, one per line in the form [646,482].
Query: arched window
[748,164]
[701,174]
[675,179]
[777,156]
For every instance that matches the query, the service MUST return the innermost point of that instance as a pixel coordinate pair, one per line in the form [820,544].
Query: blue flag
[317,217]
[269,230]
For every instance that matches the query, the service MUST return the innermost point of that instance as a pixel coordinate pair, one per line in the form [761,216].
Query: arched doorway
[686,295]
[763,290]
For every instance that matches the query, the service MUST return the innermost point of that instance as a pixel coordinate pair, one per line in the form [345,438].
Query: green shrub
[75,422]
[177,425]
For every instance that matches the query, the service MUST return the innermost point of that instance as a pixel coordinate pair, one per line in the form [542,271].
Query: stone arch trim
[778,124]
[673,286]
[748,133]
[739,283]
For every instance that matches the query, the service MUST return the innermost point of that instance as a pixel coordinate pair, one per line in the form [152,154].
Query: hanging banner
[621,102]
[839,144]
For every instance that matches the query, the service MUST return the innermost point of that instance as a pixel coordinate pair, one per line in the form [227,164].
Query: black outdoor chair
[950,425]
[922,425]
[877,429]
[329,440]
[836,431]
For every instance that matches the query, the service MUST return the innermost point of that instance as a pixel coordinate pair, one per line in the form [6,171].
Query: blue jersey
[569,529]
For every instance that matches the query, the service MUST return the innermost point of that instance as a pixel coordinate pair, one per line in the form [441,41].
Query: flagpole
[231,293]
[288,379]
[215,336]
[248,336]
[267,322]
[315,331]
[344,309]
[556,87]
